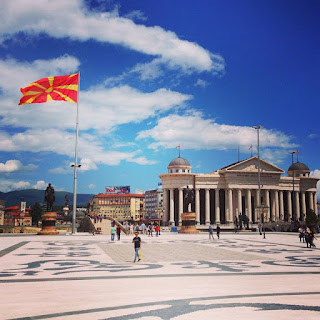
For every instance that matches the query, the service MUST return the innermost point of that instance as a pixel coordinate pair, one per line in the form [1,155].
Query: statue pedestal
[188,223]
[66,210]
[48,224]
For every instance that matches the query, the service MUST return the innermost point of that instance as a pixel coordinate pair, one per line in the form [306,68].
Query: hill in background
[31,196]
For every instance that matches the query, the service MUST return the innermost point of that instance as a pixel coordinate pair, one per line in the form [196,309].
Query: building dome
[299,169]
[179,162]
[179,165]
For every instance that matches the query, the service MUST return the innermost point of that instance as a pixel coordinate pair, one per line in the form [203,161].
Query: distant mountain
[31,196]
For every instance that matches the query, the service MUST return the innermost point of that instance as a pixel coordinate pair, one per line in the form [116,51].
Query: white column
[172,207]
[304,207]
[281,213]
[217,204]
[207,206]
[276,194]
[297,200]
[289,206]
[268,205]
[315,204]
[180,205]
[230,215]
[165,205]
[249,207]
[311,201]
[273,206]
[197,199]
[239,201]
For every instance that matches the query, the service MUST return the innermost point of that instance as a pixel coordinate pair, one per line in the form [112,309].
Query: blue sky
[154,75]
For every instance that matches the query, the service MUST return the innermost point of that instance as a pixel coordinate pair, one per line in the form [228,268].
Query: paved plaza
[239,276]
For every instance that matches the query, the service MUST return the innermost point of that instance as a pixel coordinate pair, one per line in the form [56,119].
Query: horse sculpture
[49,197]
[189,198]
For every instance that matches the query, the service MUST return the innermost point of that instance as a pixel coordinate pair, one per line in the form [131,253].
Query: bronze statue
[49,197]
[189,198]
[66,200]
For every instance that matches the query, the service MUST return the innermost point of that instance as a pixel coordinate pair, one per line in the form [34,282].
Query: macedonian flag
[52,88]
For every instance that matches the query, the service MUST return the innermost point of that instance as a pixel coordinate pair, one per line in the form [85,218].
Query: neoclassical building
[222,195]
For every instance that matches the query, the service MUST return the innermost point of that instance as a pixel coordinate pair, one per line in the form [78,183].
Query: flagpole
[75,165]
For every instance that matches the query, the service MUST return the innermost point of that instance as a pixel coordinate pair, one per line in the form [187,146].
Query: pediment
[251,165]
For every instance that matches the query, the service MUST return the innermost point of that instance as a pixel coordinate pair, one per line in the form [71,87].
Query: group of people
[132,229]
[143,228]
[307,235]
[211,232]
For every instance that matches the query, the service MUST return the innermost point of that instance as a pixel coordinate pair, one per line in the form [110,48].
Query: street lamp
[293,195]
[259,181]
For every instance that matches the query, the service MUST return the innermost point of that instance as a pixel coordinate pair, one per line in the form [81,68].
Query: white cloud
[91,186]
[91,149]
[313,135]
[194,132]
[72,19]
[275,156]
[136,15]
[11,185]
[201,83]
[40,185]
[15,166]
[87,164]
[148,71]
[8,185]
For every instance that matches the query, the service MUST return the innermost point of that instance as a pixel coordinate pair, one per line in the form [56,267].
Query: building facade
[224,194]
[154,204]
[122,207]
[18,215]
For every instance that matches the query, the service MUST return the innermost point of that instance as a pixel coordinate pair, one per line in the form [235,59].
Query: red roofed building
[18,215]
[121,206]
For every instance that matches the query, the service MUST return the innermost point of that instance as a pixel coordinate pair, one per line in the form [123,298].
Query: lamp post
[293,195]
[259,181]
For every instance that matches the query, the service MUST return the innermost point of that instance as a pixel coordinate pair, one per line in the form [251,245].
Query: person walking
[113,232]
[137,246]
[156,229]
[118,232]
[210,232]
[236,225]
[150,230]
[218,231]
[143,226]
[131,228]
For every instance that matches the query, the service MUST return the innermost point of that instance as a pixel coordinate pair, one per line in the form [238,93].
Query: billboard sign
[117,189]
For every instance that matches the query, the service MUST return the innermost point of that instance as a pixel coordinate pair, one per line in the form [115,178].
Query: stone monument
[49,217]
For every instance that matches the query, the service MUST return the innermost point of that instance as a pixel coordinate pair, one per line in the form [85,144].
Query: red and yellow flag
[52,88]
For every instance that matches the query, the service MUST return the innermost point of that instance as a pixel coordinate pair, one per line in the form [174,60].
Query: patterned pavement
[180,277]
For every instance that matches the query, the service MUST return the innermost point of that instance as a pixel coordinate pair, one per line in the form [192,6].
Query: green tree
[36,212]
[312,219]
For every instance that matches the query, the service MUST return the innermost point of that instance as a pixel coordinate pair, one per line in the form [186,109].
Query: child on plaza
[156,229]
[137,246]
